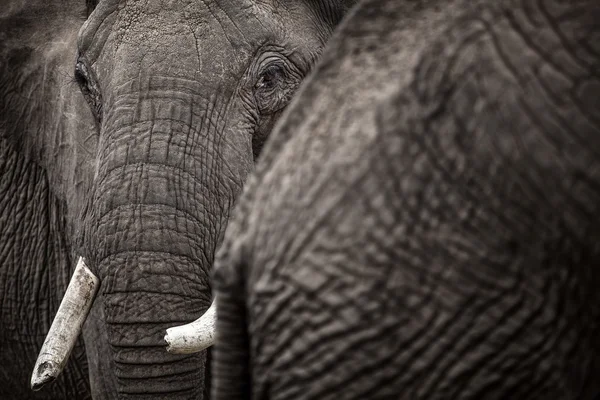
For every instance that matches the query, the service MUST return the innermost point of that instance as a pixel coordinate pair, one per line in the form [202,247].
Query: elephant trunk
[156,214]
[138,309]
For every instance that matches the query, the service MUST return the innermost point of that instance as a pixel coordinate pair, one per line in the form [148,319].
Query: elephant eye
[270,77]
[80,74]
[275,85]
[87,84]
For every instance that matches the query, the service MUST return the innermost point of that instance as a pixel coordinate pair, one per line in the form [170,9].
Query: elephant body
[424,221]
[138,175]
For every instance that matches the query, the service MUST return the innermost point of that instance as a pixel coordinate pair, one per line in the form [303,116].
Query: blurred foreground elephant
[182,96]
[424,222]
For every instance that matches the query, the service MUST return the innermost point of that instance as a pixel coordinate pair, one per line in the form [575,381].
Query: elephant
[424,221]
[130,164]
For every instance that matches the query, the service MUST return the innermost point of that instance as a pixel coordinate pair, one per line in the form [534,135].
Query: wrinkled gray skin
[182,95]
[424,222]
[47,150]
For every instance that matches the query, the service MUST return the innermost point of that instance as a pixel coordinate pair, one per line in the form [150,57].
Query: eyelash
[79,74]
[91,94]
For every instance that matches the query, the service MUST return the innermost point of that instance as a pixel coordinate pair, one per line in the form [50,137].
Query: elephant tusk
[66,326]
[195,336]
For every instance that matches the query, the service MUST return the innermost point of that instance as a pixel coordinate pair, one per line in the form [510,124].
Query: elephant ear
[37,54]
[43,116]
[45,139]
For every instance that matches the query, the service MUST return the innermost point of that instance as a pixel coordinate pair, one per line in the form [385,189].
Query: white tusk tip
[45,373]
[169,339]
[181,341]
[193,337]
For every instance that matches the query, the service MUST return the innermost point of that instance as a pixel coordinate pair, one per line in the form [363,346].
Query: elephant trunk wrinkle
[143,297]
[152,186]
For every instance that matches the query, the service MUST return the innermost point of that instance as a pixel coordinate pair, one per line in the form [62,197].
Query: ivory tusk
[195,336]
[66,326]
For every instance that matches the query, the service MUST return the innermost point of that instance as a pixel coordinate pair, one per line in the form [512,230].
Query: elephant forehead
[149,21]
[184,37]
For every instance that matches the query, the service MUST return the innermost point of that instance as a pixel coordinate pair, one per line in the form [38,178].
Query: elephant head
[184,93]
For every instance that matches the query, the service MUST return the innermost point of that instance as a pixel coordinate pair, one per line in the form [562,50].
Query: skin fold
[133,161]
[424,221]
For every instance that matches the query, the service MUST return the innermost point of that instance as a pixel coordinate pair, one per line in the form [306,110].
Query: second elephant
[425,221]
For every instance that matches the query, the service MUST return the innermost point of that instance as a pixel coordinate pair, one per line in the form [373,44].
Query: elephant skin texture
[134,162]
[424,221]
[47,142]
